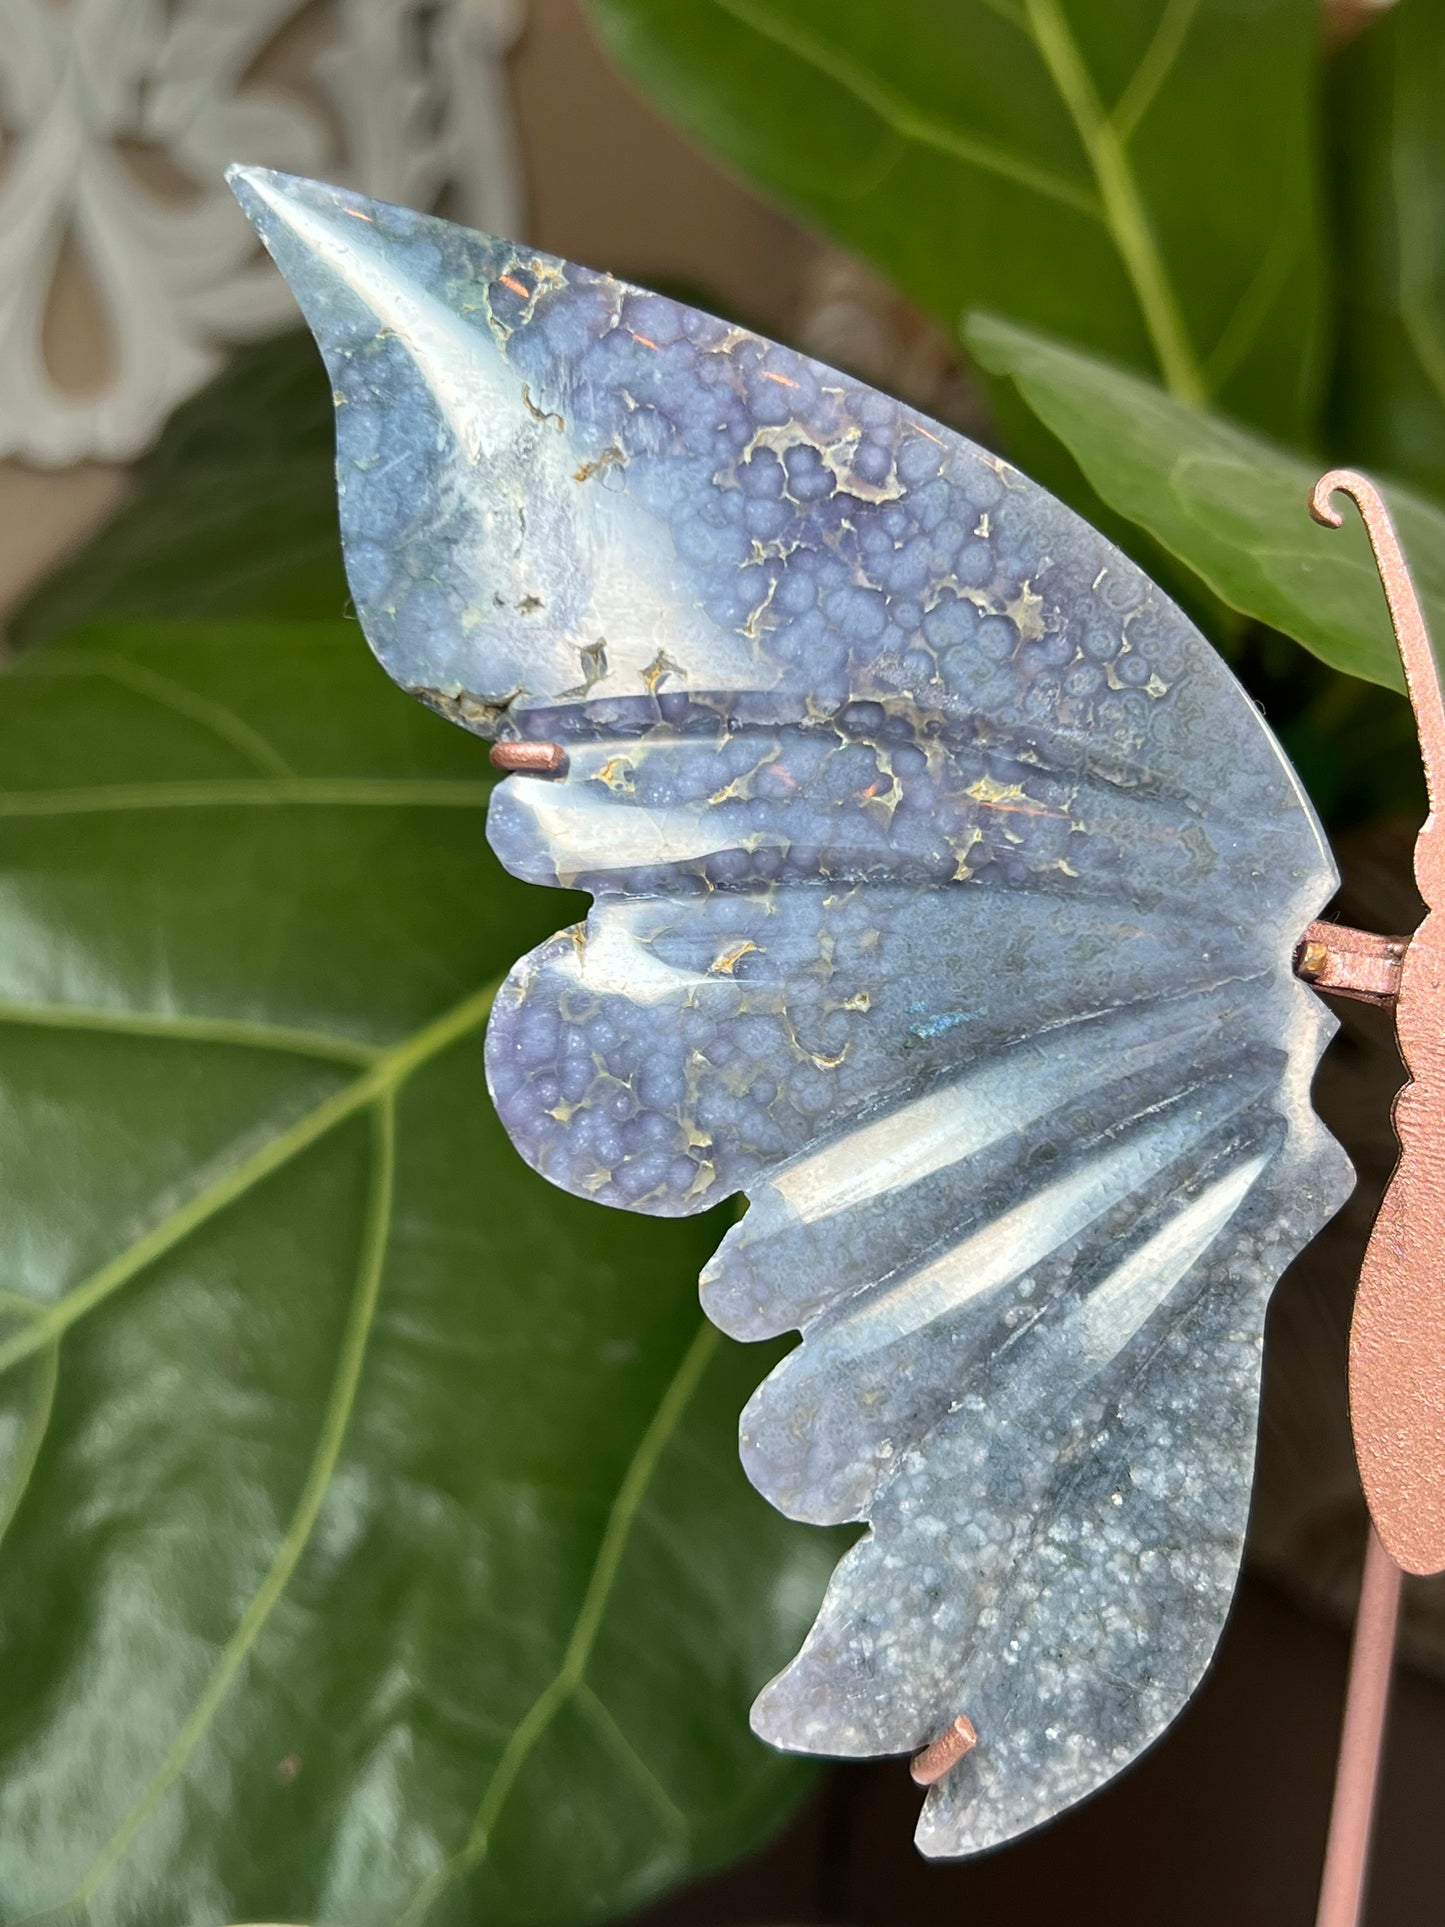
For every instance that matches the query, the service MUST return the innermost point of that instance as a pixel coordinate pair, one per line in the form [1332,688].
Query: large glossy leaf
[377,1549]
[234,512]
[1227,503]
[1137,177]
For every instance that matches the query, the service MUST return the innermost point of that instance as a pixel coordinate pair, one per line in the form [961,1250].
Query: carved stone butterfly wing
[945,889]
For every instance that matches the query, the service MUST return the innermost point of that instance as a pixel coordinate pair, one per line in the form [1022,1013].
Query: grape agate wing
[945,891]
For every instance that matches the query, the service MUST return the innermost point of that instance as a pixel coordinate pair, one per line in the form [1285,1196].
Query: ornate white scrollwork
[118,118]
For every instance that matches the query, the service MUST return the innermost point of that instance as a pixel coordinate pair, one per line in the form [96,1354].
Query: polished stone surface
[945,888]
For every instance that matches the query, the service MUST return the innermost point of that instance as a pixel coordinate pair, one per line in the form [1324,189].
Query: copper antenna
[1397,1337]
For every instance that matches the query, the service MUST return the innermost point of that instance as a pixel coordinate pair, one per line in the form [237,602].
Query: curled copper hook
[1416,655]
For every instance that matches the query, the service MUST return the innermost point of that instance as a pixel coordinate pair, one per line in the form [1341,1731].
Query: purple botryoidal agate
[945,890]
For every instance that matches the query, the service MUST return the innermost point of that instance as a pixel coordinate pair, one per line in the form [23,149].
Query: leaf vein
[250,792]
[91,1020]
[905,119]
[350,1361]
[1156,64]
[577,1654]
[605,1724]
[1414,204]
[1242,329]
[217,718]
[32,1438]
[389,1072]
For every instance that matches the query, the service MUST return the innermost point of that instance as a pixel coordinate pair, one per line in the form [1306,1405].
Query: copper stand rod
[1362,1738]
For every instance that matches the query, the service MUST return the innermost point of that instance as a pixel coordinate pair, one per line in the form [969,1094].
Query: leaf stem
[1124,212]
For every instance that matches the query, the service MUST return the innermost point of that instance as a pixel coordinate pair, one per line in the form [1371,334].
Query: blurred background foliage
[377,1549]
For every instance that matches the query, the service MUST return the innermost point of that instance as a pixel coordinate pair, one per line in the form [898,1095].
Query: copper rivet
[530,759]
[945,1753]
[1351,963]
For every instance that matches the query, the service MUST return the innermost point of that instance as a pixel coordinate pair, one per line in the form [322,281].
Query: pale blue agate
[946,888]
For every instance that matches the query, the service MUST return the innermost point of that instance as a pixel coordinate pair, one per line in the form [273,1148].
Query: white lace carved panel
[118,118]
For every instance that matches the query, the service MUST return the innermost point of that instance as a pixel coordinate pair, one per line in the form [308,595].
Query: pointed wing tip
[312,230]
[262,188]
[279,204]
[269,193]
[295,201]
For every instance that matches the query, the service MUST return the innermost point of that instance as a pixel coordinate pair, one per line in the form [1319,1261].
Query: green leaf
[1391,193]
[1231,506]
[1138,178]
[377,1546]
[234,513]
